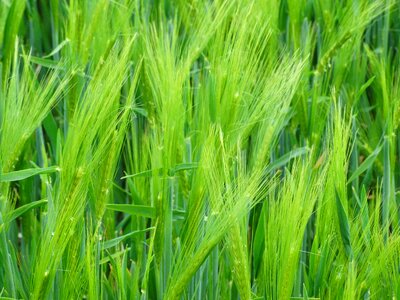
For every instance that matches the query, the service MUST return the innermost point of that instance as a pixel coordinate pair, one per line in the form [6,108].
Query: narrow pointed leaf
[23,209]
[367,163]
[114,242]
[344,226]
[23,174]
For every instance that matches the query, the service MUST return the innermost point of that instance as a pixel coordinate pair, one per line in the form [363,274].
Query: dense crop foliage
[199,149]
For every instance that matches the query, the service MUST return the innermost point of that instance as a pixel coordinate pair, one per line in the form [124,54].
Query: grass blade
[27,173]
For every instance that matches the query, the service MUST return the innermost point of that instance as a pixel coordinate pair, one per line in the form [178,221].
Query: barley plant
[199,149]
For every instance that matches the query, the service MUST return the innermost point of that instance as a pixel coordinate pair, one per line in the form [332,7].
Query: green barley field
[199,149]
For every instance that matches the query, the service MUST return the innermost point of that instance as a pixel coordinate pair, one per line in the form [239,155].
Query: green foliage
[196,149]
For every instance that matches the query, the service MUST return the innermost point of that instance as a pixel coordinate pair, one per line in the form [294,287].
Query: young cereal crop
[199,149]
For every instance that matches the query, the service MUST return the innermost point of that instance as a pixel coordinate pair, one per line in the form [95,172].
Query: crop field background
[199,149]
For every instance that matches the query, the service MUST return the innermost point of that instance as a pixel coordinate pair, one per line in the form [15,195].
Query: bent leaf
[23,174]
[23,209]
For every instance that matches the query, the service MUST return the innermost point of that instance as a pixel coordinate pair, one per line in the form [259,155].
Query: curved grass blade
[114,242]
[23,209]
[344,226]
[366,164]
[24,174]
